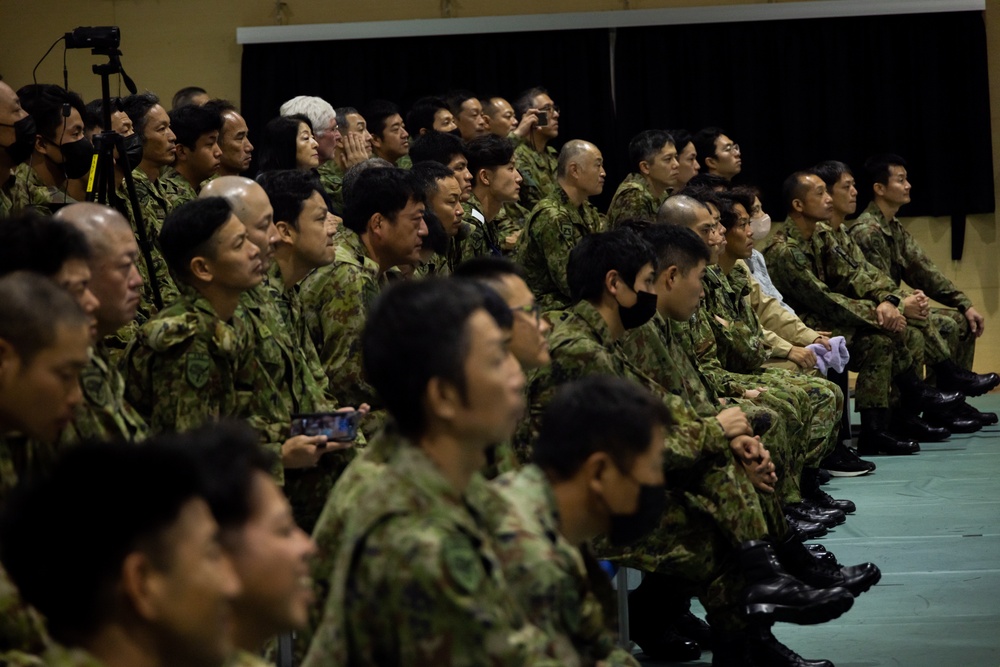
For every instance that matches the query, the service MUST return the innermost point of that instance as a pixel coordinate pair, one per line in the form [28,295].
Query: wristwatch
[893,299]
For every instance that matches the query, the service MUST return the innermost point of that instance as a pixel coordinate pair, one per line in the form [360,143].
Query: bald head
[573,152]
[114,276]
[99,223]
[250,204]
[681,210]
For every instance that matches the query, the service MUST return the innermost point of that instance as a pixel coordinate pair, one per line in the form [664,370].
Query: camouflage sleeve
[510,222]
[334,305]
[419,594]
[21,627]
[868,235]
[631,203]
[921,273]
[555,233]
[792,274]
[705,347]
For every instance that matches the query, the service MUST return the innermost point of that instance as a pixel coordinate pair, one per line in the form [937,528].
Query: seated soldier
[654,156]
[52,177]
[390,140]
[502,120]
[851,300]
[152,124]
[443,194]
[496,185]
[257,530]
[597,470]
[197,155]
[114,280]
[537,162]
[611,276]
[468,113]
[421,529]
[892,249]
[687,158]
[384,229]
[17,142]
[234,139]
[936,333]
[189,95]
[559,221]
[153,586]
[431,114]
[44,337]
[354,148]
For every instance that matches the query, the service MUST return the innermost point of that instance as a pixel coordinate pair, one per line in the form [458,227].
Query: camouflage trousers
[810,407]
[777,432]
[711,511]
[878,357]
[944,335]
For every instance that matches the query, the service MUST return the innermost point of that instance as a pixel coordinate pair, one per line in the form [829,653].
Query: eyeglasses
[550,108]
[533,310]
[731,148]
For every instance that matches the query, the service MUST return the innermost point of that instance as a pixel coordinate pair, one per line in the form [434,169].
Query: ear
[483,176]
[672,274]
[140,585]
[182,152]
[423,131]
[644,168]
[594,468]
[201,268]
[612,281]
[797,205]
[443,399]
[879,189]
[41,145]
[9,358]
[286,233]
[375,224]
[376,140]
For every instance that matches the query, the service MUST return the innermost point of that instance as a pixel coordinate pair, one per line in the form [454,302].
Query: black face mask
[640,313]
[77,156]
[133,150]
[24,139]
[627,529]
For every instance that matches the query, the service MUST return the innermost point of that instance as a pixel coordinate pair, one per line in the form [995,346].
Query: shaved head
[97,222]
[235,190]
[249,201]
[571,153]
[680,210]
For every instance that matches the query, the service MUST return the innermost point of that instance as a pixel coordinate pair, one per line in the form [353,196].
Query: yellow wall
[173,43]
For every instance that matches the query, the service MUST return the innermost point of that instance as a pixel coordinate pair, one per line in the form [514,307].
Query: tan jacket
[782,329]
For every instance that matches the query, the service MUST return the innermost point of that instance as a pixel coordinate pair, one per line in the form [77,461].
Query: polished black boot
[875,437]
[803,512]
[821,573]
[650,607]
[843,462]
[813,493]
[952,419]
[764,648]
[809,530]
[774,595]
[909,425]
[952,377]
[970,412]
[918,395]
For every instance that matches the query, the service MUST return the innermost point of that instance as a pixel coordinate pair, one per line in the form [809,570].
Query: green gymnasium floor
[931,522]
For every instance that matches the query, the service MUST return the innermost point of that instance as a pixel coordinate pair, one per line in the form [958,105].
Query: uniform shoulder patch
[197,369]
[461,563]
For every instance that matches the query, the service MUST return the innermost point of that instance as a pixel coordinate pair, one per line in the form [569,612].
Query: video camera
[100,37]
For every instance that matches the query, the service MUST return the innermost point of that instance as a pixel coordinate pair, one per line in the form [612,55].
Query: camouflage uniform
[416,580]
[104,413]
[547,574]
[831,291]
[510,223]
[335,303]
[154,206]
[712,507]
[175,188]
[332,178]
[485,239]
[61,656]
[538,169]
[888,246]
[551,231]
[282,347]
[633,199]
[7,197]
[28,191]
[181,367]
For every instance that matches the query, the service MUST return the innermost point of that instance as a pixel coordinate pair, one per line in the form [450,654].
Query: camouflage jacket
[698,338]
[510,223]
[335,303]
[547,574]
[633,199]
[332,178]
[416,581]
[28,191]
[61,656]
[175,188]
[485,239]
[154,206]
[104,414]
[820,280]
[580,344]
[538,169]
[7,196]
[740,338]
[550,233]
[892,249]
[180,369]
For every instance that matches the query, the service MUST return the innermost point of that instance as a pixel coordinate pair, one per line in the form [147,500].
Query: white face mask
[761,226]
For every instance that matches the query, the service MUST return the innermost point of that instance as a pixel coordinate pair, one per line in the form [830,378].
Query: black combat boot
[909,425]
[821,573]
[765,649]
[918,395]
[774,595]
[813,493]
[952,377]
[875,437]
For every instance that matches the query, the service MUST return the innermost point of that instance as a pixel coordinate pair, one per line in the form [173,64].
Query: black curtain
[791,93]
